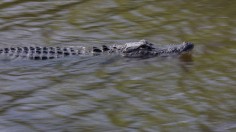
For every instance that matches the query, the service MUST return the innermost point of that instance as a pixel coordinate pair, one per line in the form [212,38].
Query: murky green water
[118,94]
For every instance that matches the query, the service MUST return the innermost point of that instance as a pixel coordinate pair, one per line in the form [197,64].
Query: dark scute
[59,52]
[66,53]
[51,57]
[32,48]
[6,50]
[105,48]
[38,48]
[45,51]
[52,52]
[13,49]
[64,49]
[38,51]
[72,50]
[19,49]
[95,49]
[26,48]
[37,58]
[44,57]
[51,48]
[44,48]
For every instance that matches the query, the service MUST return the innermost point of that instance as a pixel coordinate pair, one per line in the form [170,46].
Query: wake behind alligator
[140,49]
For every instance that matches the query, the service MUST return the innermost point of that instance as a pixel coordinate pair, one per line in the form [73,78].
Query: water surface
[110,93]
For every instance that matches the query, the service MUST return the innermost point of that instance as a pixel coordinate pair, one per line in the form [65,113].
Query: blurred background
[110,93]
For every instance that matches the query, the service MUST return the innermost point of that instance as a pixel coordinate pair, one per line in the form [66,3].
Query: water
[110,93]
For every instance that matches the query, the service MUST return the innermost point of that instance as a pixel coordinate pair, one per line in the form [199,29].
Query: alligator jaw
[147,50]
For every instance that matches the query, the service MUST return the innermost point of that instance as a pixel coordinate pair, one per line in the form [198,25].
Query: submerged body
[140,49]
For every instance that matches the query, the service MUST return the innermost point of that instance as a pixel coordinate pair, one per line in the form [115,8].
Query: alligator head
[145,49]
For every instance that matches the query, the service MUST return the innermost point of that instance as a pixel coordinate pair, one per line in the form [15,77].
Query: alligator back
[41,53]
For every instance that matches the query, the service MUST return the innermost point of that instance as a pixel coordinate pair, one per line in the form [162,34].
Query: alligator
[140,49]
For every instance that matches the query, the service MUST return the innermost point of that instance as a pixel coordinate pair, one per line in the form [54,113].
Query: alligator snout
[188,46]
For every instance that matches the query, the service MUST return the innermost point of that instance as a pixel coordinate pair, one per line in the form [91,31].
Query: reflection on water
[109,93]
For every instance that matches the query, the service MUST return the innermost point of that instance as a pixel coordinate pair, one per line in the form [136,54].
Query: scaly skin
[140,49]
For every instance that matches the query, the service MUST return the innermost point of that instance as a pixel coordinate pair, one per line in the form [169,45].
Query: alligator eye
[143,46]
